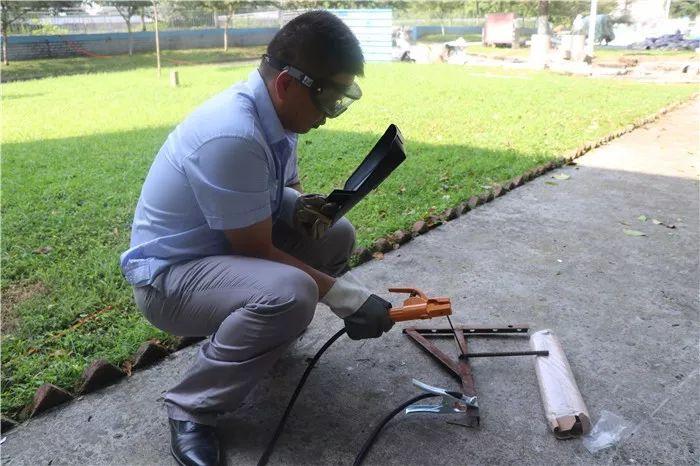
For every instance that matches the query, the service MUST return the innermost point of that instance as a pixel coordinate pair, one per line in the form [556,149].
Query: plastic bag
[609,430]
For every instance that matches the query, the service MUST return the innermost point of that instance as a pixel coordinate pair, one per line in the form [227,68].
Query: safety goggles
[328,96]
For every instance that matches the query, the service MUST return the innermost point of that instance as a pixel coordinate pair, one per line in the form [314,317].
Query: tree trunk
[5,23]
[131,37]
[543,17]
[5,58]
[226,34]
[143,20]
[155,16]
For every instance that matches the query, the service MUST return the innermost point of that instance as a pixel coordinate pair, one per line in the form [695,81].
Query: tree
[558,11]
[330,4]
[683,8]
[12,11]
[127,9]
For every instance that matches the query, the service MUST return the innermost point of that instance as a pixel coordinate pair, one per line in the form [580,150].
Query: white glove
[346,295]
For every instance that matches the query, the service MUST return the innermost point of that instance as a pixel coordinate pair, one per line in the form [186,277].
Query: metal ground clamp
[451,402]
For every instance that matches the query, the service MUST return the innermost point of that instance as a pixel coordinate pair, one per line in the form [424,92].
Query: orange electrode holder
[419,306]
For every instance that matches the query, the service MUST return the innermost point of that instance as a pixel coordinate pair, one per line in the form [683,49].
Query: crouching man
[224,244]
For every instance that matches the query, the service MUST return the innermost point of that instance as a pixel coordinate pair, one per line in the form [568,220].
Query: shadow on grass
[68,204]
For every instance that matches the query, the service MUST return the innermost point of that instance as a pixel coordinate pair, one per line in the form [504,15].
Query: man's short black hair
[319,44]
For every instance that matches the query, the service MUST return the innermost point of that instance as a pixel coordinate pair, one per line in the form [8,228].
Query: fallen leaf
[378,255]
[43,250]
[625,224]
[551,183]
[633,232]
[642,218]
[561,176]
[659,222]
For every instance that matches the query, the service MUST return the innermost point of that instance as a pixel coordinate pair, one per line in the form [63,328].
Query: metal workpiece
[460,366]
[503,353]
[450,402]
[473,330]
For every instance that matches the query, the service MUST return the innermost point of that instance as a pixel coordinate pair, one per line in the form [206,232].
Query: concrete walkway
[551,255]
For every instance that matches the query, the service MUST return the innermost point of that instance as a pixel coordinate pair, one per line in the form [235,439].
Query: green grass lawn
[77,148]
[35,69]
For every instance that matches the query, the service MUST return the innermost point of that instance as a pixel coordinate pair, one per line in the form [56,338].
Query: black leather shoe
[193,444]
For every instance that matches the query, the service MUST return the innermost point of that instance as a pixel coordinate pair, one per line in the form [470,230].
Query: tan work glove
[366,315]
[313,215]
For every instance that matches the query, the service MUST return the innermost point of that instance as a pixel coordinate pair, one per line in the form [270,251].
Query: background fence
[73,45]
[77,34]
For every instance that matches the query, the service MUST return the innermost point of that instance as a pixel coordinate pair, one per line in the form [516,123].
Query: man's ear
[282,83]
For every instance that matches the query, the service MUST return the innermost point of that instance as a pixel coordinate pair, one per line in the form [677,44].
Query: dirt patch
[12,297]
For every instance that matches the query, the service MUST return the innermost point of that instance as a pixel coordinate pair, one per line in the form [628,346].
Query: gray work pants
[251,309]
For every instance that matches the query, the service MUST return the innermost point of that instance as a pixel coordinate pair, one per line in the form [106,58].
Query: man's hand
[366,315]
[313,215]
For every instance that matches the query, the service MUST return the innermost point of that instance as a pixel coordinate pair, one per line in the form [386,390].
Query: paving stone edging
[101,373]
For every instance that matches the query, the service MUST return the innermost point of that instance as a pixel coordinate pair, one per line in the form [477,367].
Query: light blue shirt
[224,167]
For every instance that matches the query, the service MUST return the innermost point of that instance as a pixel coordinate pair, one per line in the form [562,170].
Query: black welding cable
[271,445]
[373,436]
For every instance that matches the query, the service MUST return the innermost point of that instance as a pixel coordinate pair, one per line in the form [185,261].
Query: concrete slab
[552,255]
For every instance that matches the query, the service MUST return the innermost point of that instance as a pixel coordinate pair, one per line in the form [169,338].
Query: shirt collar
[274,132]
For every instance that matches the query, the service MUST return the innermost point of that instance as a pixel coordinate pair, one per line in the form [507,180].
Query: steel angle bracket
[460,368]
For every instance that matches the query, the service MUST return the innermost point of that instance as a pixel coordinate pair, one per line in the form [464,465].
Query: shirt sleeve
[230,180]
